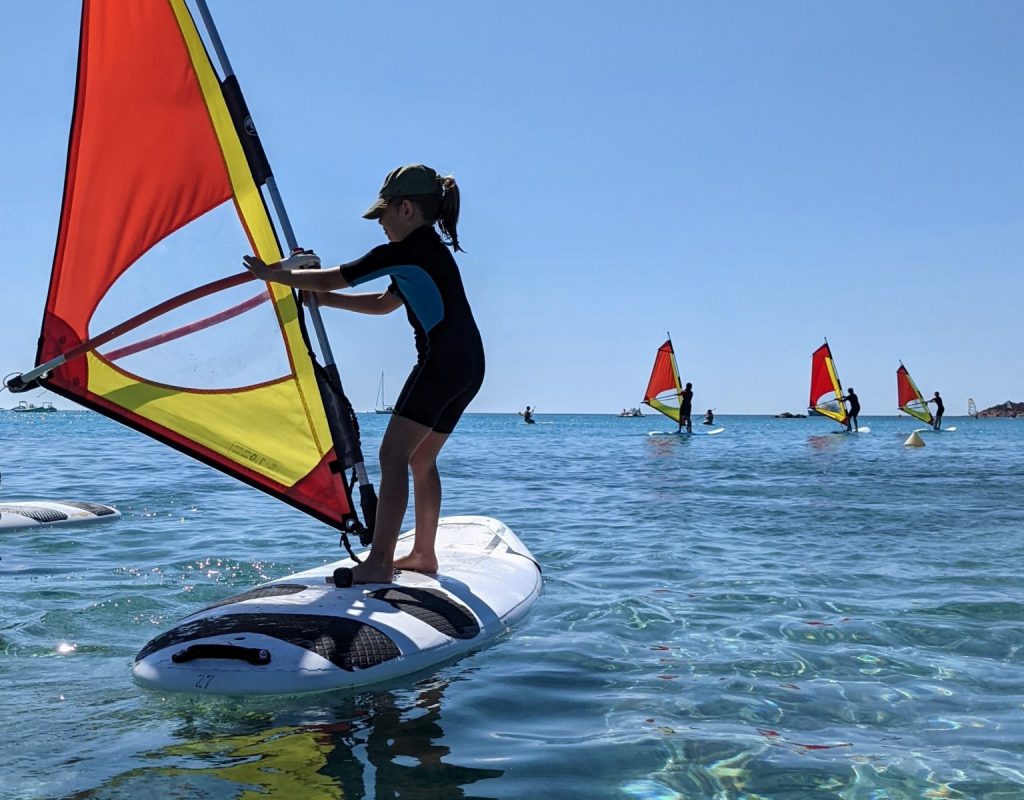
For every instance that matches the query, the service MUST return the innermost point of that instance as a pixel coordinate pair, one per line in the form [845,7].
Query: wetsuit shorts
[436,394]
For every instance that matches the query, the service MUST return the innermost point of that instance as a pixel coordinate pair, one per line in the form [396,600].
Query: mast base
[16,385]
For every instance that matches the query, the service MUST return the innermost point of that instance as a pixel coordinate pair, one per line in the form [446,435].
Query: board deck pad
[302,634]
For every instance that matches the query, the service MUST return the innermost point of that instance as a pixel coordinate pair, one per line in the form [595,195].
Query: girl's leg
[426,484]
[401,440]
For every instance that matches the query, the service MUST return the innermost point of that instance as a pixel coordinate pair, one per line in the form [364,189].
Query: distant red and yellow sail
[222,371]
[826,390]
[909,396]
[664,387]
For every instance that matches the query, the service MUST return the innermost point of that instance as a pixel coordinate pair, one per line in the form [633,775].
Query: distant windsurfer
[527,416]
[450,357]
[939,409]
[852,414]
[709,418]
[686,408]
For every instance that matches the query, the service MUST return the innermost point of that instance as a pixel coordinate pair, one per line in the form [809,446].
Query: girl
[450,357]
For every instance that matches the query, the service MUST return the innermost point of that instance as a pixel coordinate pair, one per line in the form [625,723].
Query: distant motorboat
[631,412]
[30,408]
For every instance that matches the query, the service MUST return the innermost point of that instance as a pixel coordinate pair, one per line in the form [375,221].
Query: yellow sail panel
[225,422]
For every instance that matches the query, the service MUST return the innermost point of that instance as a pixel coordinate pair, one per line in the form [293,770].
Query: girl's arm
[368,303]
[310,280]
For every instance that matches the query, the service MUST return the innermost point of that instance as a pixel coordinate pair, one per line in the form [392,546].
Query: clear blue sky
[752,177]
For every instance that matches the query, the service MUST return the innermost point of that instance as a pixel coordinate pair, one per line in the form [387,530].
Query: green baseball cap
[411,180]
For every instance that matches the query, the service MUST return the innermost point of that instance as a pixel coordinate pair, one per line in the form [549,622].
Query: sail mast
[342,420]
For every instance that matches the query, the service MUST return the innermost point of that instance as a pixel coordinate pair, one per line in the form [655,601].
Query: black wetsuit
[854,408]
[686,408]
[939,408]
[450,356]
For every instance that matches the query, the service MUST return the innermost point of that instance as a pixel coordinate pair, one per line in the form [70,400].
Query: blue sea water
[774,612]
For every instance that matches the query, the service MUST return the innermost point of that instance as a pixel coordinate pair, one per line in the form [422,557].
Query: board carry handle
[258,657]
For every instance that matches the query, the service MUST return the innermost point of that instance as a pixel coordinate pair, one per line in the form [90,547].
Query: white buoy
[914,440]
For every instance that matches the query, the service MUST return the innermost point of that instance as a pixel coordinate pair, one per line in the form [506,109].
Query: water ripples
[775,612]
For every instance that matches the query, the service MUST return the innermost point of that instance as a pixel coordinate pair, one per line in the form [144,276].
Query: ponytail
[441,209]
[448,218]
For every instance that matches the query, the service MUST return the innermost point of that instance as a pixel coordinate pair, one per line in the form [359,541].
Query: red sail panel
[905,390]
[222,376]
[143,160]
[663,376]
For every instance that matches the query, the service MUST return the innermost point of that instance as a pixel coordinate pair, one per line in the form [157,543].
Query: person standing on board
[685,409]
[939,408]
[851,416]
[450,356]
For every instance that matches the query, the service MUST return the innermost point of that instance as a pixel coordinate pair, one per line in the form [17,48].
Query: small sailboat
[223,368]
[972,410]
[665,390]
[826,389]
[382,407]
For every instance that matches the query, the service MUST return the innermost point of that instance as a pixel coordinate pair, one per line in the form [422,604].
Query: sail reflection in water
[383,745]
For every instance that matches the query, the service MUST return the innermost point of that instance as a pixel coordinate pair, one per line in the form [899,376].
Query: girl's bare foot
[417,563]
[371,573]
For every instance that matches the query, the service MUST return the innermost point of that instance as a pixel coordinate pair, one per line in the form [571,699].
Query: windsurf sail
[664,389]
[145,321]
[826,390]
[910,398]
[972,410]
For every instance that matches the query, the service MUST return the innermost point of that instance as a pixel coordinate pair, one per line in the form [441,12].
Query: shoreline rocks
[1007,409]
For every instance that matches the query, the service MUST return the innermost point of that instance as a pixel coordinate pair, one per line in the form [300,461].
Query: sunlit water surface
[774,612]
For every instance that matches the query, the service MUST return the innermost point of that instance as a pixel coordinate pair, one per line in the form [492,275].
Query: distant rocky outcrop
[1007,409]
[787,415]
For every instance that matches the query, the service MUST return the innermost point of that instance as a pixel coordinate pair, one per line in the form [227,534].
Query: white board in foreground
[35,513]
[302,634]
[713,432]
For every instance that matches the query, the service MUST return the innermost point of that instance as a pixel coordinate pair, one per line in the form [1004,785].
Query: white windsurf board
[714,432]
[302,634]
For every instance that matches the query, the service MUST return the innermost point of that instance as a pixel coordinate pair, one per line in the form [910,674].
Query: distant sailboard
[45,513]
[912,402]
[665,391]
[827,391]
[684,432]
[167,186]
